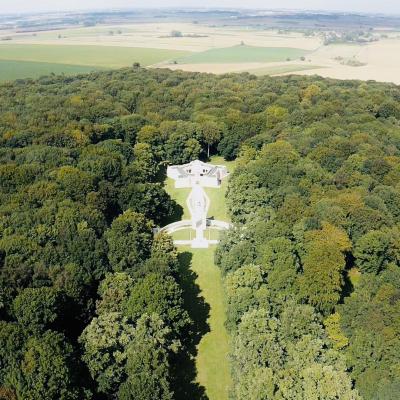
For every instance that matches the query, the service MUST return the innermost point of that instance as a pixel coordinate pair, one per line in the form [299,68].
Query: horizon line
[204,8]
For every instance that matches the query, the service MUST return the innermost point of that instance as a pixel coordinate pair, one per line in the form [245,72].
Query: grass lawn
[243,54]
[180,196]
[184,234]
[189,234]
[218,208]
[93,56]
[11,70]
[212,364]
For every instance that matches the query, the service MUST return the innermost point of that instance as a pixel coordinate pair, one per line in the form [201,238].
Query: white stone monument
[197,175]
[197,172]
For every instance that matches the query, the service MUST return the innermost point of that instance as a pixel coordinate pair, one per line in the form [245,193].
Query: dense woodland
[91,305]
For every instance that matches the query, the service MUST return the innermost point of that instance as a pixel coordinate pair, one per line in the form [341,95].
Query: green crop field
[11,70]
[281,69]
[243,54]
[93,56]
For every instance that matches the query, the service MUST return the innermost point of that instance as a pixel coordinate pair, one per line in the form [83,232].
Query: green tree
[192,150]
[145,163]
[74,182]
[114,292]
[256,343]
[147,365]
[12,341]
[280,264]
[275,114]
[47,370]
[258,384]
[372,251]
[149,199]
[334,331]
[129,240]
[323,263]
[245,290]
[164,256]
[37,308]
[324,382]
[369,319]
[245,196]
[105,341]
[156,293]
[211,133]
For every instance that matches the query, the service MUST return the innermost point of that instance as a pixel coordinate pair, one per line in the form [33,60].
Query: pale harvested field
[254,68]
[212,68]
[382,59]
[150,35]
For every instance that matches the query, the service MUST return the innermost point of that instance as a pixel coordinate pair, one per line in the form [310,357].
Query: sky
[373,6]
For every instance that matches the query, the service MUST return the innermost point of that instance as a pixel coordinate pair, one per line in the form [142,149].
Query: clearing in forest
[205,300]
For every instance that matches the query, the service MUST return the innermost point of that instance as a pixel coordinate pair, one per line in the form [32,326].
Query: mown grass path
[212,364]
[204,297]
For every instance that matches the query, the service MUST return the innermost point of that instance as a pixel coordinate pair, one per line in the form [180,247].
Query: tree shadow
[348,286]
[161,175]
[176,215]
[177,209]
[185,386]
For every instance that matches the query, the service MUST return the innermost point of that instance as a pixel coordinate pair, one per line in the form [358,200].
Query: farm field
[282,69]
[381,59]
[11,70]
[99,56]
[195,37]
[204,48]
[243,53]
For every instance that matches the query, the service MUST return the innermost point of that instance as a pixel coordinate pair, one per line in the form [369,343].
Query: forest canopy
[91,305]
